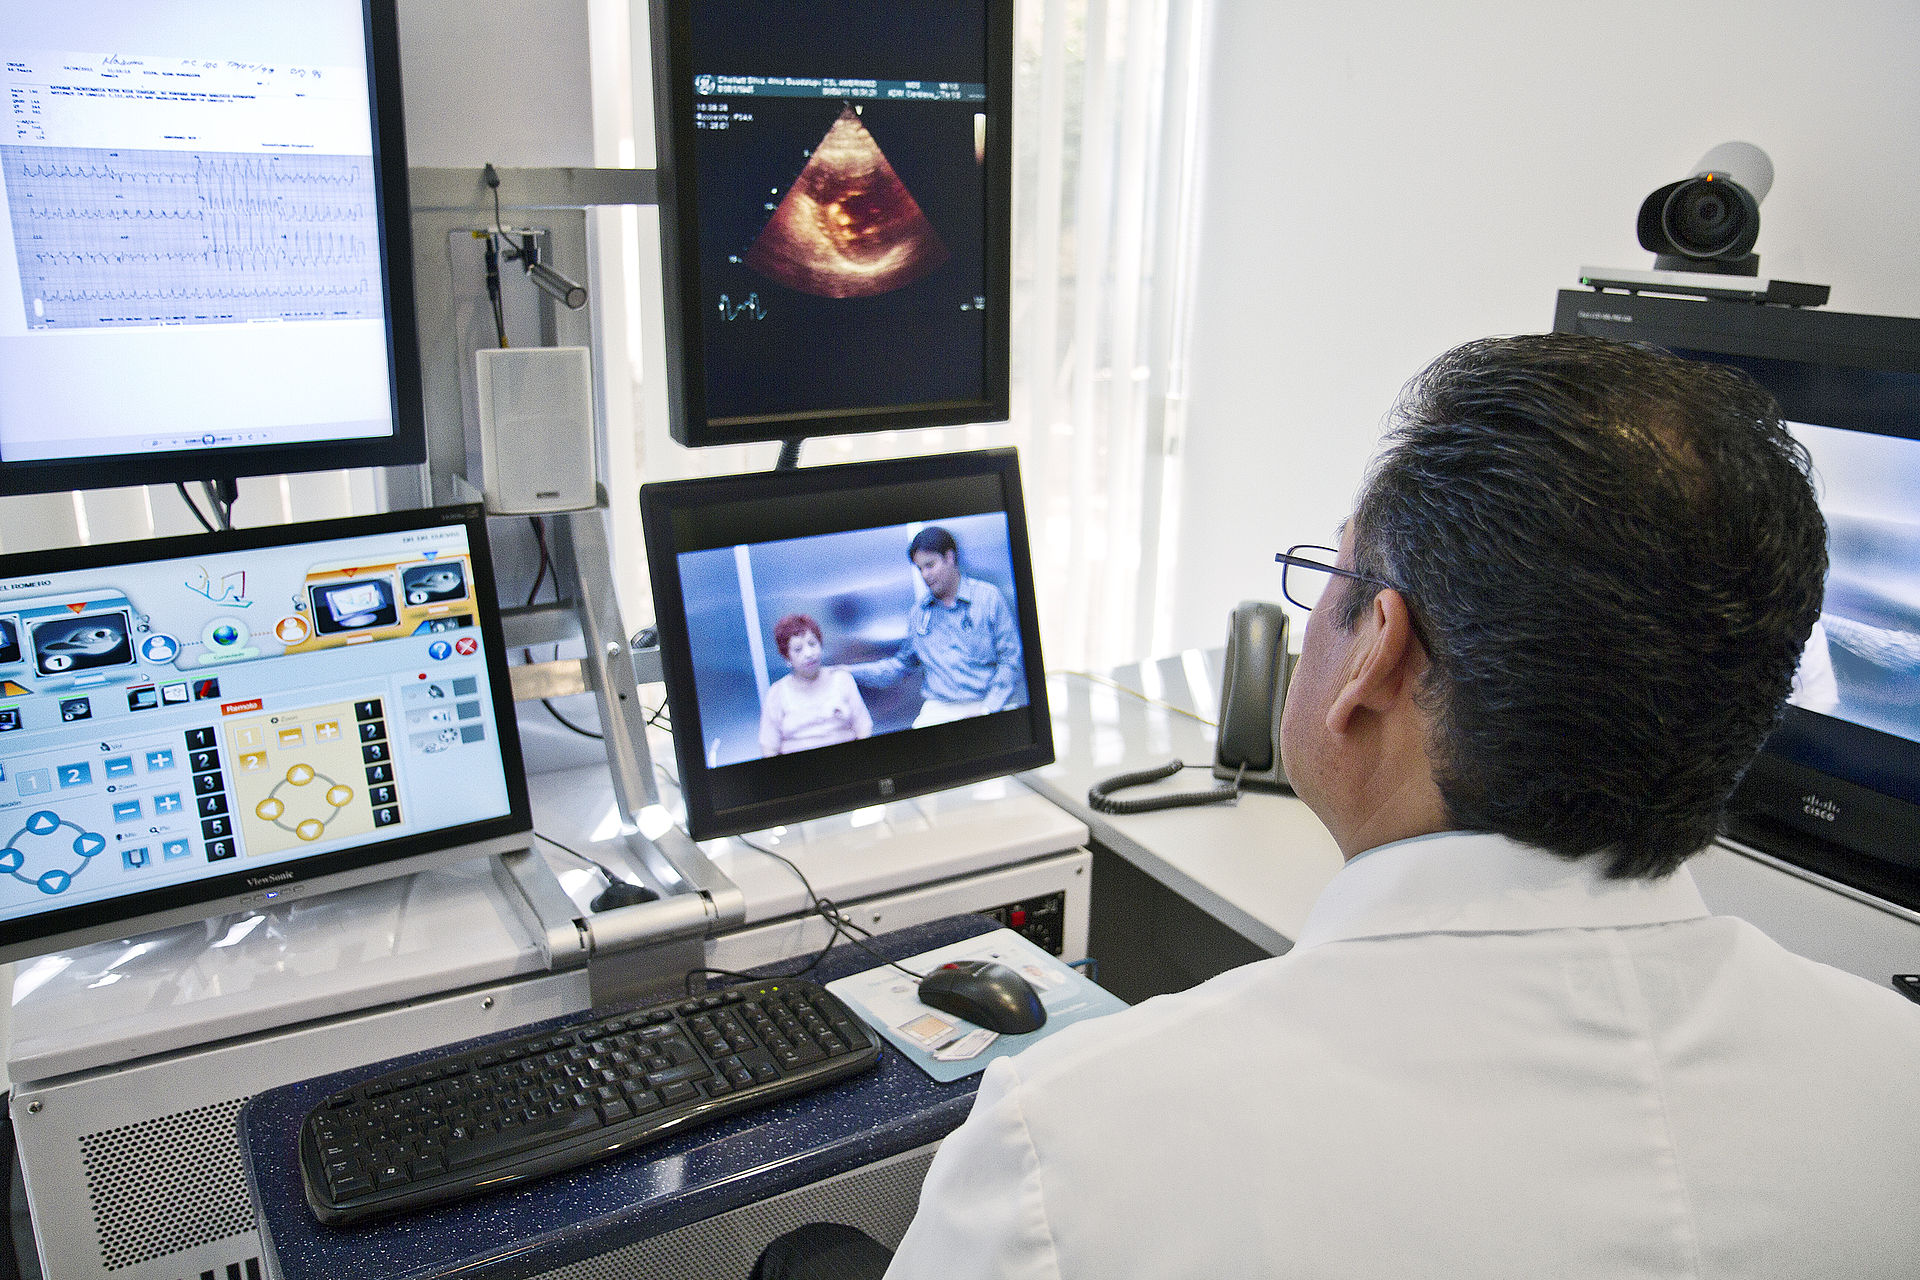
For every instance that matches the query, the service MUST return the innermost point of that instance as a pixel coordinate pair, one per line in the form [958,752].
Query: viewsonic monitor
[835,185]
[1837,789]
[834,637]
[192,726]
[205,268]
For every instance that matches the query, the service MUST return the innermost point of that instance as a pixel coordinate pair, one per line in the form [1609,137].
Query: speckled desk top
[575,1215]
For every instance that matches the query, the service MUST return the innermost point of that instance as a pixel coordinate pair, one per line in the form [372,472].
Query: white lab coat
[1479,1060]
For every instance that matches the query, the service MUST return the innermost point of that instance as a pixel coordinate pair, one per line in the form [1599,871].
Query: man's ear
[1384,665]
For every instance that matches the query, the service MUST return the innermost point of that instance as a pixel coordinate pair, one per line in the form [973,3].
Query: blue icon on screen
[159,648]
[439,650]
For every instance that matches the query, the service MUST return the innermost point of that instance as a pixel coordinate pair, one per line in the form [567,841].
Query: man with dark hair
[961,636]
[1509,1040]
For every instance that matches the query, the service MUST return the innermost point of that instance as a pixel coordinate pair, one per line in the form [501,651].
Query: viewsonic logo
[278,877]
[1820,807]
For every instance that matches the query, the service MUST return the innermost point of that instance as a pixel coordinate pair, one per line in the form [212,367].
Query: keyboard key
[519,1138]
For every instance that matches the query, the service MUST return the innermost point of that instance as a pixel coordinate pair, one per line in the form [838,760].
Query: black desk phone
[1247,748]
[1252,694]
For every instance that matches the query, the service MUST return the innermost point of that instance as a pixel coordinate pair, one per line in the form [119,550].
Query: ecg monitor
[190,726]
[1837,789]
[835,637]
[205,268]
[835,207]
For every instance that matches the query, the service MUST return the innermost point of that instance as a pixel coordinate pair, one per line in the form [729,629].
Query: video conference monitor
[836,223]
[191,726]
[1837,789]
[834,637]
[205,262]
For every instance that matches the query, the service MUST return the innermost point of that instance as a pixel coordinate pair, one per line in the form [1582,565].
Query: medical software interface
[177,720]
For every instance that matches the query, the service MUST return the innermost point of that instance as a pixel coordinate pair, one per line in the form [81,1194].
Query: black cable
[222,494]
[194,507]
[601,867]
[546,560]
[1099,795]
[492,177]
[585,733]
[826,909]
[533,592]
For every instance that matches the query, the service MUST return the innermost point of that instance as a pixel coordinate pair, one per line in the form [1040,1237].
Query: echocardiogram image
[848,227]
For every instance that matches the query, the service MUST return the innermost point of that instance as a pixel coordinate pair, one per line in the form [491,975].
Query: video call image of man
[961,637]
[813,705]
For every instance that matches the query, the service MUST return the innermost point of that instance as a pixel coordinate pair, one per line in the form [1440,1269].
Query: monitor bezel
[158,908]
[1823,822]
[923,755]
[676,166]
[407,445]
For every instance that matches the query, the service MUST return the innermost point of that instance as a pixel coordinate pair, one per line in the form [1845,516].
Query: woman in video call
[815,705]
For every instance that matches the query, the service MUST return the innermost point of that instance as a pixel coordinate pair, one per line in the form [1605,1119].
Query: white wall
[503,82]
[1384,180]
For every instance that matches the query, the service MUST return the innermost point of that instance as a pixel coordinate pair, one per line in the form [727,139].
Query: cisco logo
[1820,807]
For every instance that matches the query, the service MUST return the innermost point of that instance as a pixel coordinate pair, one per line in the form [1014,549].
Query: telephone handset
[1252,694]
[1247,749]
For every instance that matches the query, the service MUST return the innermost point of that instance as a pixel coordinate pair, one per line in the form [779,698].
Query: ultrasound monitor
[835,184]
[190,726]
[835,637]
[1837,789]
[205,264]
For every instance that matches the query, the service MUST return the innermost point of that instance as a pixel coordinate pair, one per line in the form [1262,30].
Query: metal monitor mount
[450,205]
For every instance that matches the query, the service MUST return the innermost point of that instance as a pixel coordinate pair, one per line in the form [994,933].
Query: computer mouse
[620,893]
[986,994]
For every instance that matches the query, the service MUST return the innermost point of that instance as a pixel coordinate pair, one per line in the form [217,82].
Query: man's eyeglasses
[1305,570]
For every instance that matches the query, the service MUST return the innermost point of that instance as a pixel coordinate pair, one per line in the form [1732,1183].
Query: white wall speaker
[536,429]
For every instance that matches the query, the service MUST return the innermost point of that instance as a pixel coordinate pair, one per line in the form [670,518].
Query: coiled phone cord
[1100,795]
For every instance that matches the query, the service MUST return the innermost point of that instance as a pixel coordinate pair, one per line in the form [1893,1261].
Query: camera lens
[1704,218]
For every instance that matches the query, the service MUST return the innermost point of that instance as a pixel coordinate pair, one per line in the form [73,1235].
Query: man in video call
[962,637]
[1509,1039]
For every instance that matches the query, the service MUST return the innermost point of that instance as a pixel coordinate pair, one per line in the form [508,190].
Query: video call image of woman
[814,705]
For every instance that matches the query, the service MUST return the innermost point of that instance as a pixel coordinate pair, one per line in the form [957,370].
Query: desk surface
[1256,865]
[576,1215]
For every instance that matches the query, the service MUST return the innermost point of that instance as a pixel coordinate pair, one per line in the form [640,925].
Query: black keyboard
[493,1116]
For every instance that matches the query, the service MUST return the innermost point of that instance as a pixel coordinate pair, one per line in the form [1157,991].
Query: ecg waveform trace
[107,238]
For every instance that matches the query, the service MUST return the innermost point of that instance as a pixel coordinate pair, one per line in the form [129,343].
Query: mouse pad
[947,1047]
